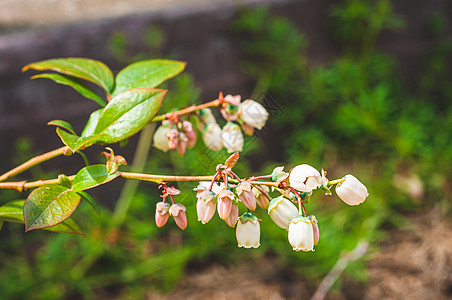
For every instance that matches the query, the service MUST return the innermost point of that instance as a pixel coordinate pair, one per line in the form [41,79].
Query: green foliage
[354,113]
[13,212]
[146,74]
[48,206]
[83,68]
[128,113]
[91,176]
[73,82]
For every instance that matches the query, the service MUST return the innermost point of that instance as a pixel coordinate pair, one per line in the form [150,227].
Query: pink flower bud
[261,199]
[205,206]
[351,190]
[161,213]
[234,100]
[224,204]
[182,145]
[315,227]
[282,211]
[190,133]
[305,178]
[233,216]
[301,234]
[246,195]
[173,138]
[248,231]
[178,212]
[253,114]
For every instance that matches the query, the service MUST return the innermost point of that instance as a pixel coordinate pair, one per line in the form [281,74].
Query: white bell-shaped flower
[253,113]
[301,234]
[161,138]
[351,190]
[282,211]
[305,178]
[248,231]
[232,137]
[212,136]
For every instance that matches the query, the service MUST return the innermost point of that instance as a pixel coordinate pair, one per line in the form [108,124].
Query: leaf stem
[187,110]
[33,162]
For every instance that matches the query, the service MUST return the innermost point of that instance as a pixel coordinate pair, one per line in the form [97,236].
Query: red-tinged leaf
[62,124]
[48,206]
[232,160]
[13,212]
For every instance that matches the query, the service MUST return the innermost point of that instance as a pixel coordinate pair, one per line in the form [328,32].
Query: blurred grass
[354,114]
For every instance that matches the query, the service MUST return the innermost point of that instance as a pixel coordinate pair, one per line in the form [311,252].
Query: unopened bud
[178,212]
[233,216]
[261,199]
[246,195]
[190,133]
[205,207]
[173,138]
[224,204]
[161,213]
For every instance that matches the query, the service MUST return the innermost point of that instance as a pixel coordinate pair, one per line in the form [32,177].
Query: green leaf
[64,181]
[48,206]
[74,83]
[91,176]
[92,123]
[62,124]
[147,74]
[90,200]
[1,225]
[128,113]
[84,68]
[68,226]
[75,142]
[13,212]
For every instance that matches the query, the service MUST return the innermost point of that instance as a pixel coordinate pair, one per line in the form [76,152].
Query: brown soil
[414,263]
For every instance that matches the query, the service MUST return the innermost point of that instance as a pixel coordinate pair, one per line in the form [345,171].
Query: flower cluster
[163,209]
[227,194]
[175,133]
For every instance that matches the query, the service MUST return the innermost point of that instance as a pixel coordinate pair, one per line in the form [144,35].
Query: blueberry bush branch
[130,103]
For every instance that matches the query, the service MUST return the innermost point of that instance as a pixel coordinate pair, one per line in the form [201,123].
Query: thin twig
[187,110]
[33,162]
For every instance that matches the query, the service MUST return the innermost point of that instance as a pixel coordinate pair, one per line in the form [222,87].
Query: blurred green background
[356,113]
